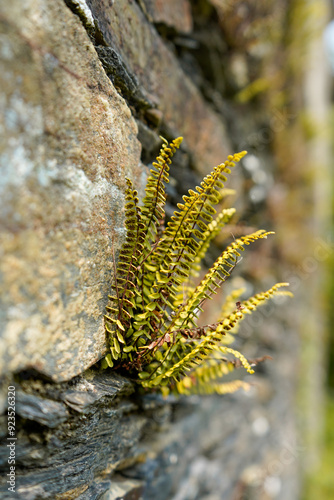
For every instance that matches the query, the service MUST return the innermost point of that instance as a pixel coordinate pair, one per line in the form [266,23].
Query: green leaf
[142,315]
[198,234]
[120,337]
[151,306]
[109,360]
[150,267]
[206,217]
[114,352]
[202,226]
[104,364]
[157,380]
[162,279]
[120,326]
[128,348]
[209,209]
[117,346]
[158,356]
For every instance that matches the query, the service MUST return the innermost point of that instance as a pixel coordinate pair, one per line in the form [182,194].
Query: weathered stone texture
[175,13]
[93,438]
[184,111]
[67,142]
[86,88]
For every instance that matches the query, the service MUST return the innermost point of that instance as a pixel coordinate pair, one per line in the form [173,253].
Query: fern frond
[189,386]
[212,340]
[152,215]
[213,229]
[175,253]
[238,355]
[228,307]
[226,192]
[153,211]
[217,274]
[229,303]
[151,318]
[186,314]
[213,369]
[250,305]
[225,387]
[123,300]
[186,230]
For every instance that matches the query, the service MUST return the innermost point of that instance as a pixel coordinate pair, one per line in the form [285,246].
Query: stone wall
[86,89]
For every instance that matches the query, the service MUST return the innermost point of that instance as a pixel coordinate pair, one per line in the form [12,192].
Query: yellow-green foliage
[152,319]
[253,89]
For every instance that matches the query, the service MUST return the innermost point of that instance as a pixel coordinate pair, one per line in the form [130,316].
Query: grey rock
[45,412]
[68,141]
[121,77]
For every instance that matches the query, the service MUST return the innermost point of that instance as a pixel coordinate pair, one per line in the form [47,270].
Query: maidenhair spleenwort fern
[152,317]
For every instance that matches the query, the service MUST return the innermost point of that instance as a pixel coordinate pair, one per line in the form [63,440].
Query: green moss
[320,485]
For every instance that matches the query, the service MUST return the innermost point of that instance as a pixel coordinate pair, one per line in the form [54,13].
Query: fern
[152,316]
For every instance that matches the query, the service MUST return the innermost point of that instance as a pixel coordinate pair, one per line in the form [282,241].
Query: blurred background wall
[86,89]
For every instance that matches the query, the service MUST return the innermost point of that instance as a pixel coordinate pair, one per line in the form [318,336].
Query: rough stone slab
[174,13]
[123,489]
[125,82]
[93,387]
[67,141]
[82,449]
[162,448]
[184,111]
[43,411]
[199,427]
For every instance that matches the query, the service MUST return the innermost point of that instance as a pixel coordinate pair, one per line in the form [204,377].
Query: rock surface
[93,437]
[125,29]
[67,142]
[87,86]
[175,14]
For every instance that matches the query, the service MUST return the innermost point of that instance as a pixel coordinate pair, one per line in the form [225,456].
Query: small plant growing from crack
[152,318]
